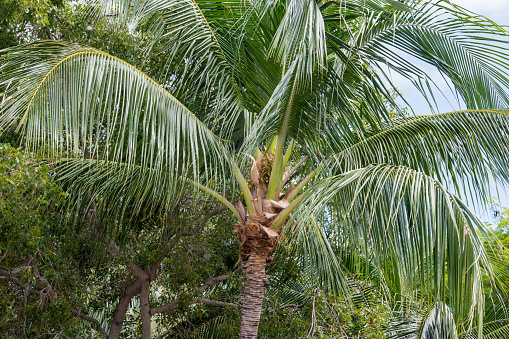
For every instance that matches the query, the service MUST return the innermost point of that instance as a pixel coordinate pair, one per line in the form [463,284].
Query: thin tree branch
[47,292]
[165,308]
[172,305]
[293,305]
[94,321]
[213,281]
[215,303]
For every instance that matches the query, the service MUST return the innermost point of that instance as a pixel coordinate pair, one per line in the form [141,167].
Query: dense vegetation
[124,205]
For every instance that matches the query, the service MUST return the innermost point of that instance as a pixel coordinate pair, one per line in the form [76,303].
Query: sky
[495,10]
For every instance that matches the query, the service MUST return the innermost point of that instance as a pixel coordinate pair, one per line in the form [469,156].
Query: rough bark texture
[257,242]
[254,292]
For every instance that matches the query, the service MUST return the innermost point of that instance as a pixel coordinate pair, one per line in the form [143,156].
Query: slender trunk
[145,309]
[144,278]
[123,305]
[258,234]
[254,292]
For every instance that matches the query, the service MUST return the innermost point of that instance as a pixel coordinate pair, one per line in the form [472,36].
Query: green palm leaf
[468,147]
[88,104]
[422,236]
[467,49]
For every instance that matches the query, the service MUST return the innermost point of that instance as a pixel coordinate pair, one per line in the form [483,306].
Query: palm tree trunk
[254,292]
[256,243]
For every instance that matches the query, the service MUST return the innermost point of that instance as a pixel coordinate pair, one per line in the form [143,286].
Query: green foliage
[324,315]
[225,63]
[502,228]
[36,251]
[27,20]
[28,197]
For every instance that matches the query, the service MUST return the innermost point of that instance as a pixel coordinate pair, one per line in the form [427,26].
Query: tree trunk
[144,278]
[145,309]
[254,292]
[256,243]
[119,315]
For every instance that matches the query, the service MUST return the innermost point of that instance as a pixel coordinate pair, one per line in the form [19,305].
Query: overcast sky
[496,10]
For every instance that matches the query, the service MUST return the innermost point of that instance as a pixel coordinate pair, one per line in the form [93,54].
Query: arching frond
[193,39]
[466,48]
[468,147]
[89,104]
[426,239]
[309,243]
[301,33]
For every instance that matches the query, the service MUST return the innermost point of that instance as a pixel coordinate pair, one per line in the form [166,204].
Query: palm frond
[89,104]
[309,243]
[468,147]
[301,32]
[468,49]
[423,238]
[192,37]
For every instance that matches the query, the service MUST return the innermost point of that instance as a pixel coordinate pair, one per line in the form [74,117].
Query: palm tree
[292,95]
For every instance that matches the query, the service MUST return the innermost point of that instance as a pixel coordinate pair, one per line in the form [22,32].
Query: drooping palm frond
[192,37]
[301,33]
[420,321]
[309,243]
[468,147]
[495,321]
[426,238]
[466,48]
[88,104]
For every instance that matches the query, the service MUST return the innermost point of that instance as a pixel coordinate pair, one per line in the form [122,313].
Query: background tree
[38,267]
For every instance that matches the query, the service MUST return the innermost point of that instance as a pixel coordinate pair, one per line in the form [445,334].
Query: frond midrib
[92,51]
[419,119]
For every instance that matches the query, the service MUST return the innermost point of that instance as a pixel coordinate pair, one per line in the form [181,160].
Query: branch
[139,272]
[215,303]
[218,196]
[128,292]
[293,305]
[195,230]
[174,303]
[165,308]
[94,321]
[46,293]
[213,281]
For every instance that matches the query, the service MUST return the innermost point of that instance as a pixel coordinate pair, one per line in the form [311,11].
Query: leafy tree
[37,269]
[502,229]
[287,93]
[53,274]
[28,20]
